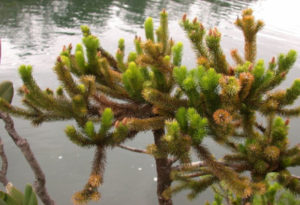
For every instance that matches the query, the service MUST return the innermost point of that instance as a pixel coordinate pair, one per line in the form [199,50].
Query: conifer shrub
[150,90]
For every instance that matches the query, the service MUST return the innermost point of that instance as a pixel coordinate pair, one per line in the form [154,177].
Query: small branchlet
[149,33]
[188,129]
[250,27]
[196,32]
[218,59]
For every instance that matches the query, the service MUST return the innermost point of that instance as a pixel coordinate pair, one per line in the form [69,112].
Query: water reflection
[31,24]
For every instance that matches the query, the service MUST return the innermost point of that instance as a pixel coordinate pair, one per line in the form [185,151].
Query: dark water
[34,31]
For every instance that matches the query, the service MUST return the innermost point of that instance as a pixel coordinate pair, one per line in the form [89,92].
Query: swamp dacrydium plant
[150,90]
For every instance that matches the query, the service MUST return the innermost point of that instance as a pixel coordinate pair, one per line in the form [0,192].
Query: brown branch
[113,93]
[163,169]
[137,124]
[260,127]
[173,160]
[3,172]
[191,165]
[297,177]
[39,184]
[122,110]
[133,149]
[90,191]
[193,175]
[103,100]
[112,61]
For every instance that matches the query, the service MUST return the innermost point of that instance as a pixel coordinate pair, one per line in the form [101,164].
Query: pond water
[34,31]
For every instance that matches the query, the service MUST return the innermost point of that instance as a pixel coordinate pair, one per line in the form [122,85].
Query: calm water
[34,31]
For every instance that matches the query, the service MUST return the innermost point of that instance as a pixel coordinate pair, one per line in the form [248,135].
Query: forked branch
[133,149]
[40,180]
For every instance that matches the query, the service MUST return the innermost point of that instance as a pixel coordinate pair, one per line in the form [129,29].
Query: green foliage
[88,136]
[79,56]
[89,129]
[274,194]
[91,44]
[29,196]
[138,46]
[186,130]
[132,56]
[6,91]
[191,123]
[197,82]
[25,72]
[292,93]
[195,31]
[121,45]
[250,27]
[163,32]
[133,80]
[180,74]
[106,121]
[218,200]
[196,125]
[149,29]
[15,197]
[216,55]
[177,54]
[120,133]
[286,62]
[195,186]
[77,138]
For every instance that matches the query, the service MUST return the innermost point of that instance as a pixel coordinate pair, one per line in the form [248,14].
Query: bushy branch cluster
[151,90]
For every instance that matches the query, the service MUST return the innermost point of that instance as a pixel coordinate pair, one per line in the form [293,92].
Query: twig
[95,180]
[3,172]
[133,149]
[122,110]
[173,160]
[39,184]
[236,167]
[219,192]
[297,177]
[112,61]
[260,127]
[193,175]
[224,194]
[188,166]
